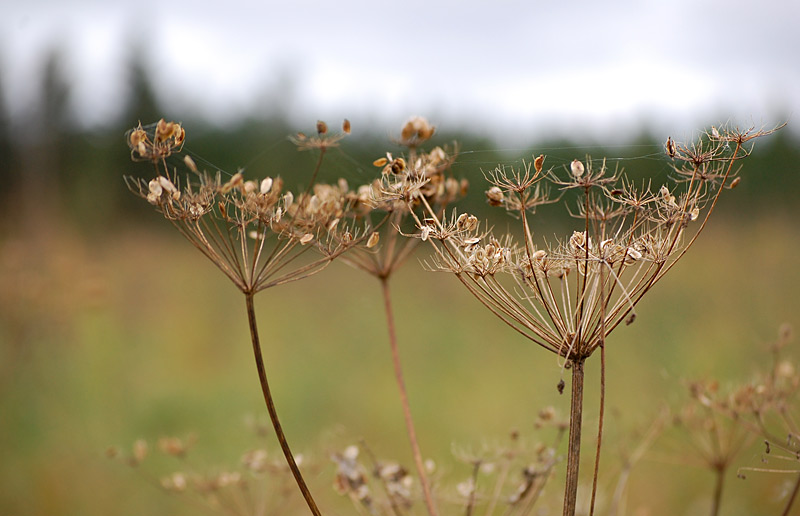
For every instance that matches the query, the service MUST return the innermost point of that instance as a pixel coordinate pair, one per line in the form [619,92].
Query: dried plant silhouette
[258,484]
[764,407]
[508,478]
[568,296]
[256,232]
[386,251]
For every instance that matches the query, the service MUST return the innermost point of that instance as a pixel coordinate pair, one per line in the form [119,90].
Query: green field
[105,341]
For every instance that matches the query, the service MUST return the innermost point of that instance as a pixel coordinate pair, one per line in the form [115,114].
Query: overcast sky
[509,68]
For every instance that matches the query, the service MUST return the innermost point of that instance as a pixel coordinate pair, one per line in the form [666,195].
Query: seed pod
[190,163]
[426,231]
[398,165]
[322,127]
[538,163]
[735,182]
[494,196]
[670,147]
[373,240]
[234,181]
[346,126]
[308,237]
[155,187]
[137,136]
[577,168]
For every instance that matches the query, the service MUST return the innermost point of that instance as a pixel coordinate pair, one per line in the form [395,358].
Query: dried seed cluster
[227,490]
[393,203]
[764,407]
[352,480]
[569,295]
[252,230]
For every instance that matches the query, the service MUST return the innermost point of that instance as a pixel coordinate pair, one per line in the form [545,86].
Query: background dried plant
[506,478]
[389,213]
[764,408]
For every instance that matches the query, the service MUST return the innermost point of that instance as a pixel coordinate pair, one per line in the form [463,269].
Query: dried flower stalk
[255,232]
[389,213]
[568,296]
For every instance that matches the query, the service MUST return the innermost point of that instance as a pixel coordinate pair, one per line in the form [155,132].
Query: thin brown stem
[574,445]
[401,386]
[599,426]
[716,501]
[316,171]
[792,497]
[273,413]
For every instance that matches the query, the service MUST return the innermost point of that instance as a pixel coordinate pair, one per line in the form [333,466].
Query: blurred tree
[40,147]
[141,101]
[6,177]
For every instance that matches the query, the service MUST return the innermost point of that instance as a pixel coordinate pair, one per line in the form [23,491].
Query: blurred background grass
[126,332]
[113,328]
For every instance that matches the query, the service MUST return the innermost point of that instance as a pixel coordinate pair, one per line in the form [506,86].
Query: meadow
[123,332]
[135,336]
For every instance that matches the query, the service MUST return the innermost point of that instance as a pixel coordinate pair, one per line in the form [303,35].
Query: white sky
[512,69]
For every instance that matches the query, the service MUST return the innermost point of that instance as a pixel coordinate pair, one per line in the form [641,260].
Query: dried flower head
[156,142]
[322,140]
[236,221]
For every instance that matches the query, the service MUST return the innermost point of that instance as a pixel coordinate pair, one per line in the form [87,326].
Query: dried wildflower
[408,186]
[252,230]
[762,408]
[628,239]
[351,478]
[166,138]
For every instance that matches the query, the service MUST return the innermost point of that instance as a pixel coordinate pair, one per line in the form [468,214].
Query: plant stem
[792,497]
[599,425]
[574,446]
[717,500]
[273,413]
[398,374]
